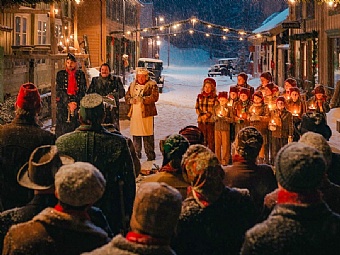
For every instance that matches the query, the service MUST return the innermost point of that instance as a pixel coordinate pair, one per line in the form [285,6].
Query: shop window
[42,32]
[310,10]
[20,30]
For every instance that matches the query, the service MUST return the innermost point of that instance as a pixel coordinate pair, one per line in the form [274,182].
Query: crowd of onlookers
[213,194]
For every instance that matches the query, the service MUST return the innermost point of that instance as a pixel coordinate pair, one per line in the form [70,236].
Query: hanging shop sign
[294,24]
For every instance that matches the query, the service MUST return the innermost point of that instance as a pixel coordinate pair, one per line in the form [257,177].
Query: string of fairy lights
[192,25]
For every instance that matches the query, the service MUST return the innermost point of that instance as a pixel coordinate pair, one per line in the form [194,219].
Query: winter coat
[205,107]
[295,230]
[149,98]
[284,123]
[258,179]
[110,86]
[216,229]
[298,107]
[53,232]
[314,102]
[40,202]
[259,117]
[62,126]
[315,122]
[241,109]
[17,141]
[120,246]
[110,153]
[247,86]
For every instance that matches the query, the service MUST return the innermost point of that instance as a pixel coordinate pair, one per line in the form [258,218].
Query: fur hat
[294,89]
[319,90]
[71,57]
[258,94]
[243,75]
[79,184]
[210,80]
[233,89]
[156,210]
[175,146]
[38,173]
[91,107]
[223,94]
[299,167]
[281,98]
[245,91]
[318,142]
[193,134]
[28,97]
[142,71]
[248,143]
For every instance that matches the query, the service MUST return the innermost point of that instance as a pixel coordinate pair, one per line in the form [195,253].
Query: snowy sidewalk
[332,117]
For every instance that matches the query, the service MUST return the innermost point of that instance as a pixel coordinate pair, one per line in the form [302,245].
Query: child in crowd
[223,116]
[259,118]
[318,102]
[269,94]
[205,104]
[289,83]
[241,109]
[297,106]
[242,79]
[281,126]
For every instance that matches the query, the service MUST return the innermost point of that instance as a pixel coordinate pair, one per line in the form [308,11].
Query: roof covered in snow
[273,21]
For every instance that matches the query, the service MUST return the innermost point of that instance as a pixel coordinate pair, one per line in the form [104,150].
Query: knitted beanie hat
[233,89]
[91,107]
[245,91]
[79,184]
[244,76]
[299,167]
[175,146]
[248,143]
[193,134]
[28,97]
[319,90]
[156,210]
[318,142]
[223,94]
[210,80]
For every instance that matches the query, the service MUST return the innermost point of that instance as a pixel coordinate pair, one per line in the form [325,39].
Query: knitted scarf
[144,239]
[79,214]
[287,197]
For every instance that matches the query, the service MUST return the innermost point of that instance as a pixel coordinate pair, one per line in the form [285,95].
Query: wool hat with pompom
[248,143]
[79,184]
[28,97]
[318,142]
[156,210]
[299,168]
[210,80]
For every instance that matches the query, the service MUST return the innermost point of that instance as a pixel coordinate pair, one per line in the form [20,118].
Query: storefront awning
[272,22]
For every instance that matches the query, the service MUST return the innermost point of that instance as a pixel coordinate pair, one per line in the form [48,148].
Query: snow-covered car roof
[150,60]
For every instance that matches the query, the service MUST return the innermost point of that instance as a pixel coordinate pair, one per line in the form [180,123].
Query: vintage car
[224,67]
[155,67]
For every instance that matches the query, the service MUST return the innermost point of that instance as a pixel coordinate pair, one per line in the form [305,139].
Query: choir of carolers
[277,115]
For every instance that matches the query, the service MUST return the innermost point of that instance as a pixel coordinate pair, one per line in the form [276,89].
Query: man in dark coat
[110,153]
[214,217]
[71,87]
[38,174]
[17,141]
[66,228]
[111,89]
[301,222]
[244,173]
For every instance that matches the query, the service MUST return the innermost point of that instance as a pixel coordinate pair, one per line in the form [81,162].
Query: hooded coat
[53,232]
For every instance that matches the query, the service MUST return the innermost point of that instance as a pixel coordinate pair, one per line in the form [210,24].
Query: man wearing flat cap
[110,153]
[18,139]
[71,88]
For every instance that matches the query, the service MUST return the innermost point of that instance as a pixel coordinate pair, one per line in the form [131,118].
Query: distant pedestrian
[205,103]
[153,223]
[71,87]
[242,79]
[241,110]
[17,141]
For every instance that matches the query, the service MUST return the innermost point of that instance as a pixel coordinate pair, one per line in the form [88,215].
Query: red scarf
[287,197]
[200,199]
[168,168]
[72,87]
[238,158]
[79,214]
[144,239]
